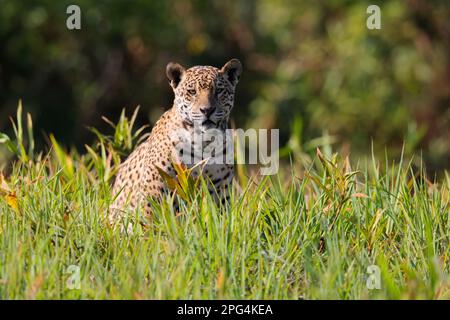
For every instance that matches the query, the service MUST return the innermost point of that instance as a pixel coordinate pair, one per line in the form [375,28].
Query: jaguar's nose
[207,110]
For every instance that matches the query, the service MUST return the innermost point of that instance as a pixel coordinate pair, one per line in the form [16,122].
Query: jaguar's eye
[192,92]
[219,90]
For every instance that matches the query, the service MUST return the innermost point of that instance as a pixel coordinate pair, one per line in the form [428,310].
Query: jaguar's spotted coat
[204,97]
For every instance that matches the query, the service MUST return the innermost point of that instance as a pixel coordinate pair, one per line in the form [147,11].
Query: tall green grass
[310,232]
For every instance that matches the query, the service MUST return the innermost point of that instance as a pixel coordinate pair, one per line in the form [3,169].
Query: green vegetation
[310,232]
[312,61]
[360,113]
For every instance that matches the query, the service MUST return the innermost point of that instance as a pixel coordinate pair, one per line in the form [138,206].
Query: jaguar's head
[204,95]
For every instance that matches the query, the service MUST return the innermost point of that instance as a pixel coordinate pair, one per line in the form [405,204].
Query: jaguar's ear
[174,72]
[232,71]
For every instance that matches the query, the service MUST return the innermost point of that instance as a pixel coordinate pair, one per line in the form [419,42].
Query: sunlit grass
[307,233]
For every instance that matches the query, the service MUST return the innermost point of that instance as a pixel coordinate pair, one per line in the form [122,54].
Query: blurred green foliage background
[311,68]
